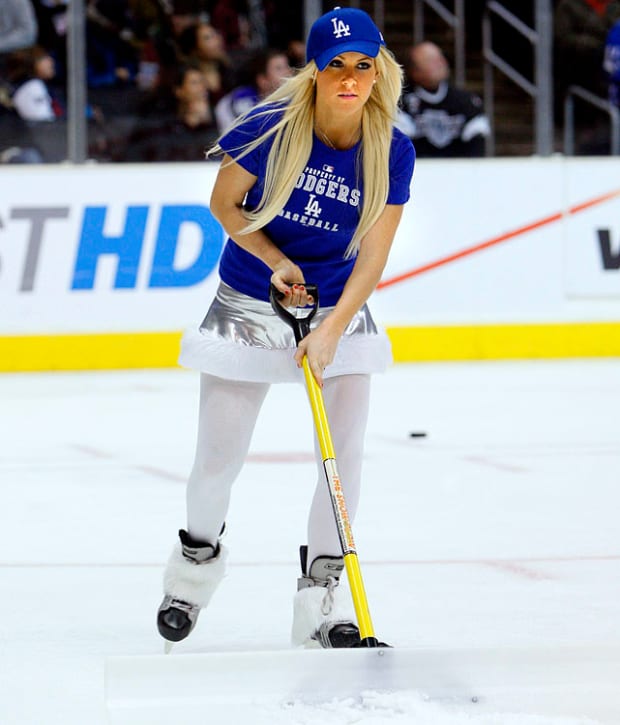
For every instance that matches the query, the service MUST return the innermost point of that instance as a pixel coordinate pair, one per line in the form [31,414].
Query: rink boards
[103,266]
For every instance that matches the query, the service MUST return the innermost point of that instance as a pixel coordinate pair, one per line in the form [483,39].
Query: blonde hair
[292,144]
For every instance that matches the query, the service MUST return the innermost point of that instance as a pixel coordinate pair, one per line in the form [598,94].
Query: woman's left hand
[320,348]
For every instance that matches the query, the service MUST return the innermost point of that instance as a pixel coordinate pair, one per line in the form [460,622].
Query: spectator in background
[203,45]
[296,52]
[30,72]
[20,154]
[442,121]
[184,13]
[231,22]
[267,70]
[18,25]
[16,143]
[611,63]
[186,135]
[284,20]
[112,50]
[156,36]
[52,19]
[580,29]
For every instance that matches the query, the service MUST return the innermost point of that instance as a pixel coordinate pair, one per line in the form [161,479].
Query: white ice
[498,529]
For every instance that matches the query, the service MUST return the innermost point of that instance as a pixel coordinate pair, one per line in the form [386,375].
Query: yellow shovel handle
[343,523]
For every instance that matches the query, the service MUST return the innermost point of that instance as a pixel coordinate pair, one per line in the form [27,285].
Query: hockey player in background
[311,188]
[442,120]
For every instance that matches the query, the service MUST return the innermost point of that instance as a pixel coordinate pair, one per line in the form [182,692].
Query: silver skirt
[241,338]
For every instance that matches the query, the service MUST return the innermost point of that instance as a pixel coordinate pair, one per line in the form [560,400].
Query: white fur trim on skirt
[221,346]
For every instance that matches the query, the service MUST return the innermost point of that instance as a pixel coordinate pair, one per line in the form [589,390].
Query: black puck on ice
[417,434]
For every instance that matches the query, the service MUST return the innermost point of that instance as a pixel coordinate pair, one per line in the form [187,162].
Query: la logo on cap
[340,27]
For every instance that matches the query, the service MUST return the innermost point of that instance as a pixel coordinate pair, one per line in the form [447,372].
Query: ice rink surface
[499,529]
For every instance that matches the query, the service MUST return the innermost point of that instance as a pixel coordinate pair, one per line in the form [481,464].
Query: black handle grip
[300,325]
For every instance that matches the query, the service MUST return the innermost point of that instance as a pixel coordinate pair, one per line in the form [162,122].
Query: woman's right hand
[288,278]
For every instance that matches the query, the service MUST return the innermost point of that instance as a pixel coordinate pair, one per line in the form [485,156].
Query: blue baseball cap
[342,30]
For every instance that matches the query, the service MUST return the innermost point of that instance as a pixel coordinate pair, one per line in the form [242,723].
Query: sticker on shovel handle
[343,523]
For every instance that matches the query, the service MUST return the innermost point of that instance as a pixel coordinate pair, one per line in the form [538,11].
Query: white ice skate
[323,615]
[192,575]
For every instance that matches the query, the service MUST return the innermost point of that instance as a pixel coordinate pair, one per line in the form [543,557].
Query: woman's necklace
[327,140]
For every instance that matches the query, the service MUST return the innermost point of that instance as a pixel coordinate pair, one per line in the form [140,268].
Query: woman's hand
[320,347]
[288,278]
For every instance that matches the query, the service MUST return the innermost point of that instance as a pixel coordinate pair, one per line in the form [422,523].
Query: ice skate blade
[168,647]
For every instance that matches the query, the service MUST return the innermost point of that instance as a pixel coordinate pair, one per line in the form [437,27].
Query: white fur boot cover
[194,583]
[308,615]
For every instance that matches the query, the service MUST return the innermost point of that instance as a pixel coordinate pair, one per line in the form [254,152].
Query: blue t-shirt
[320,217]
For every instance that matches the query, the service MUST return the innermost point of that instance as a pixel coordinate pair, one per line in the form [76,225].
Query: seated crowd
[165,77]
[162,75]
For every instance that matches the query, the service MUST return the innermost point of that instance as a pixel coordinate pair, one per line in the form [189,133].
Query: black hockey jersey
[447,123]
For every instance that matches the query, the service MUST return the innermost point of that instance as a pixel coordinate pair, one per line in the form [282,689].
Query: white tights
[227,416]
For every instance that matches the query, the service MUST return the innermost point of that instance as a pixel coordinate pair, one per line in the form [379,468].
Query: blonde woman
[310,189]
